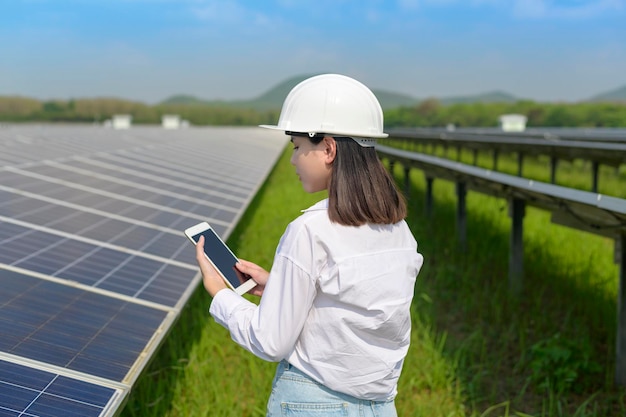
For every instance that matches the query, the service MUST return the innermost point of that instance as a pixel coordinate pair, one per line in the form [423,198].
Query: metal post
[429,195]
[407,181]
[620,349]
[594,185]
[553,164]
[517,208]
[461,217]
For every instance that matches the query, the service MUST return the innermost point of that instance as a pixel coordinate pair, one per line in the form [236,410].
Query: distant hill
[183,99]
[618,94]
[270,100]
[490,97]
[389,100]
[274,97]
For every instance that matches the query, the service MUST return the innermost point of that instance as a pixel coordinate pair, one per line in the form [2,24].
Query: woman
[335,307]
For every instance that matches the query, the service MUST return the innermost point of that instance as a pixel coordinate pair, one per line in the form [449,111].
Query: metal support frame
[407,181]
[620,348]
[429,196]
[595,166]
[553,165]
[517,204]
[517,210]
[461,213]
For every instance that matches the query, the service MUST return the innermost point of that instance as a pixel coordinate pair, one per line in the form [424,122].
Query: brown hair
[361,190]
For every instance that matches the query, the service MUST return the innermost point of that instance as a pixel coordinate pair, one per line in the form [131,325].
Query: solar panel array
[94,267]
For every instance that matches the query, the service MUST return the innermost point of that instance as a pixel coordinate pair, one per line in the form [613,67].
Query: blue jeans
[295,394]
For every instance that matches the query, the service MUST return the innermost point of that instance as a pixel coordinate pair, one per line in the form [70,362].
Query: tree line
[98,110]
[431,113]
[428,113]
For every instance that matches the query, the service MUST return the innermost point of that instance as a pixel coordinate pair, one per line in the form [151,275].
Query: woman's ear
[330,149]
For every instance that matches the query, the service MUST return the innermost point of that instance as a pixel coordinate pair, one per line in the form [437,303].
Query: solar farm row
[588,211]
[608,150]
[94,267]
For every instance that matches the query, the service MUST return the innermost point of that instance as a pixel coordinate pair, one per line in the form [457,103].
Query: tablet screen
[221,256]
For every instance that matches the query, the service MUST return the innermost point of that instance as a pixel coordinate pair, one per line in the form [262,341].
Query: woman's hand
[211,279]
[258,274]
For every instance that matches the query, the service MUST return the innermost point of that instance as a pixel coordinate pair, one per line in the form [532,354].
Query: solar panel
[94,266]
[26,391]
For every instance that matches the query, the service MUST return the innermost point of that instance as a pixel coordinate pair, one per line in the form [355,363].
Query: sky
[149,50]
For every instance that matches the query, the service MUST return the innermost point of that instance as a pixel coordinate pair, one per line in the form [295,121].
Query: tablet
[222,258]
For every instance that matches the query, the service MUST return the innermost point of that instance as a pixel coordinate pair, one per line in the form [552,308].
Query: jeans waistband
[286,366]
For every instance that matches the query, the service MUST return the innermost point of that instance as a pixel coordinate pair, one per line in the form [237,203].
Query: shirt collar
[320,205]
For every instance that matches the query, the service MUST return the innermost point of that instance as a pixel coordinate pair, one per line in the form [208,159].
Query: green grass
[476,350]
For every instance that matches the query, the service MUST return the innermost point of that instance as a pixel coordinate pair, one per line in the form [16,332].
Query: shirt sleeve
[271,329]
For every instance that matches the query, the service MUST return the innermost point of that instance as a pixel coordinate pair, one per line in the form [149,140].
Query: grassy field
[476,350]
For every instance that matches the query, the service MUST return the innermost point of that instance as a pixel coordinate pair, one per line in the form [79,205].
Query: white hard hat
[332,104]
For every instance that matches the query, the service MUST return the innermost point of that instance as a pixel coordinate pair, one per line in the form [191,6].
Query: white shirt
[336,304]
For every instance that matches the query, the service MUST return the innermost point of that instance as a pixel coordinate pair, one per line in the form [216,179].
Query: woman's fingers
[257,273]
[212,281]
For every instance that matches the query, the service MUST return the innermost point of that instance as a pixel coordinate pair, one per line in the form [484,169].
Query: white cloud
[534,9]
[551,9]
[218,11]
[232,13]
